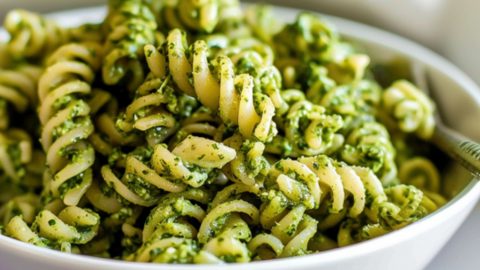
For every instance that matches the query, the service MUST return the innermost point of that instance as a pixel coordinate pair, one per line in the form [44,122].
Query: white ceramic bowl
[409,248]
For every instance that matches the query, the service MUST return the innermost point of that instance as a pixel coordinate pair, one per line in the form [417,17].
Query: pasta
[65,119]
[131,25]
[32,35]
[182,131]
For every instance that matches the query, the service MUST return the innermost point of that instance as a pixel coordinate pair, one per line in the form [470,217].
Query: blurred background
[449,27]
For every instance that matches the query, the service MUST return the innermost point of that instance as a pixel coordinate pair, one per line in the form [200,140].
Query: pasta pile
[188,131]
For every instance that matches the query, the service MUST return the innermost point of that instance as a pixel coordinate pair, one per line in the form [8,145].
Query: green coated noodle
[198,16]
[223,231]
[107,134]
[254,57]
[87,33]
[72,225]
[249,164]
[164,229]
[420,172]
[15,153]
[31,35]
[318,41]
[408,109]
[320,242]
[369,145]
[17,90]
[265,246]
[65,118]
[229,243]
[155,110]
[216,90]
[203,123]
[192,160]
[189,163]
[25,205]
[289,183]
[308,130]
[131,25]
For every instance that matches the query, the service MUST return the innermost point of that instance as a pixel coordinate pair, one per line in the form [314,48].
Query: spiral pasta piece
[192,160]
[65,118]
[146,172]
[289,184]
[155,110]
[254,57]
[369,145]
[308,130]
[249,163]
[408,109]
[15,154]
[72,225]
[131,25]
[421,173]
[199,16]
[309,38]
[203,123]
[86,33]
[139,184]
[223,231]
[350,100]
[252,112]
[291,226]
[262,21]
[31,35]
[24,205]
[18,90]
[107,135]
[341,181]
[401,206]
[292,188]
[167,235]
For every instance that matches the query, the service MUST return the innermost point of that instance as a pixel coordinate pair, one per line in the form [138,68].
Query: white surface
[409,248]
[462,251]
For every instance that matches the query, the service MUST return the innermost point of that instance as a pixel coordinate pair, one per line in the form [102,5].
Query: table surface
[462,251]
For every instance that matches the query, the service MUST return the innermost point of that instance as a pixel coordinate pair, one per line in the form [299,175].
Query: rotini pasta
[131,25]
[72,225]
[65,119]
[239,138]
[409,109]
[218,94]
[31,35]
[201,16]
[17,90]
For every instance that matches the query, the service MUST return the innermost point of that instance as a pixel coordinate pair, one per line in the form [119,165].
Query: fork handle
[459,147]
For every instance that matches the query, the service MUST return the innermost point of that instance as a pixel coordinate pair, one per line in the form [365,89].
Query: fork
[461,148]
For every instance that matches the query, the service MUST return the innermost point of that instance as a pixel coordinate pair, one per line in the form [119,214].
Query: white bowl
[409,248]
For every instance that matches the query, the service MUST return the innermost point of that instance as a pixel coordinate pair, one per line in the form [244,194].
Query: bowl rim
[360,32]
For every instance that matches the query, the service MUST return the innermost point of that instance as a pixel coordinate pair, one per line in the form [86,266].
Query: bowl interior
[458,99]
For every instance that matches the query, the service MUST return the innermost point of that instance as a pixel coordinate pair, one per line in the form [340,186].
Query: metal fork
[459,147]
